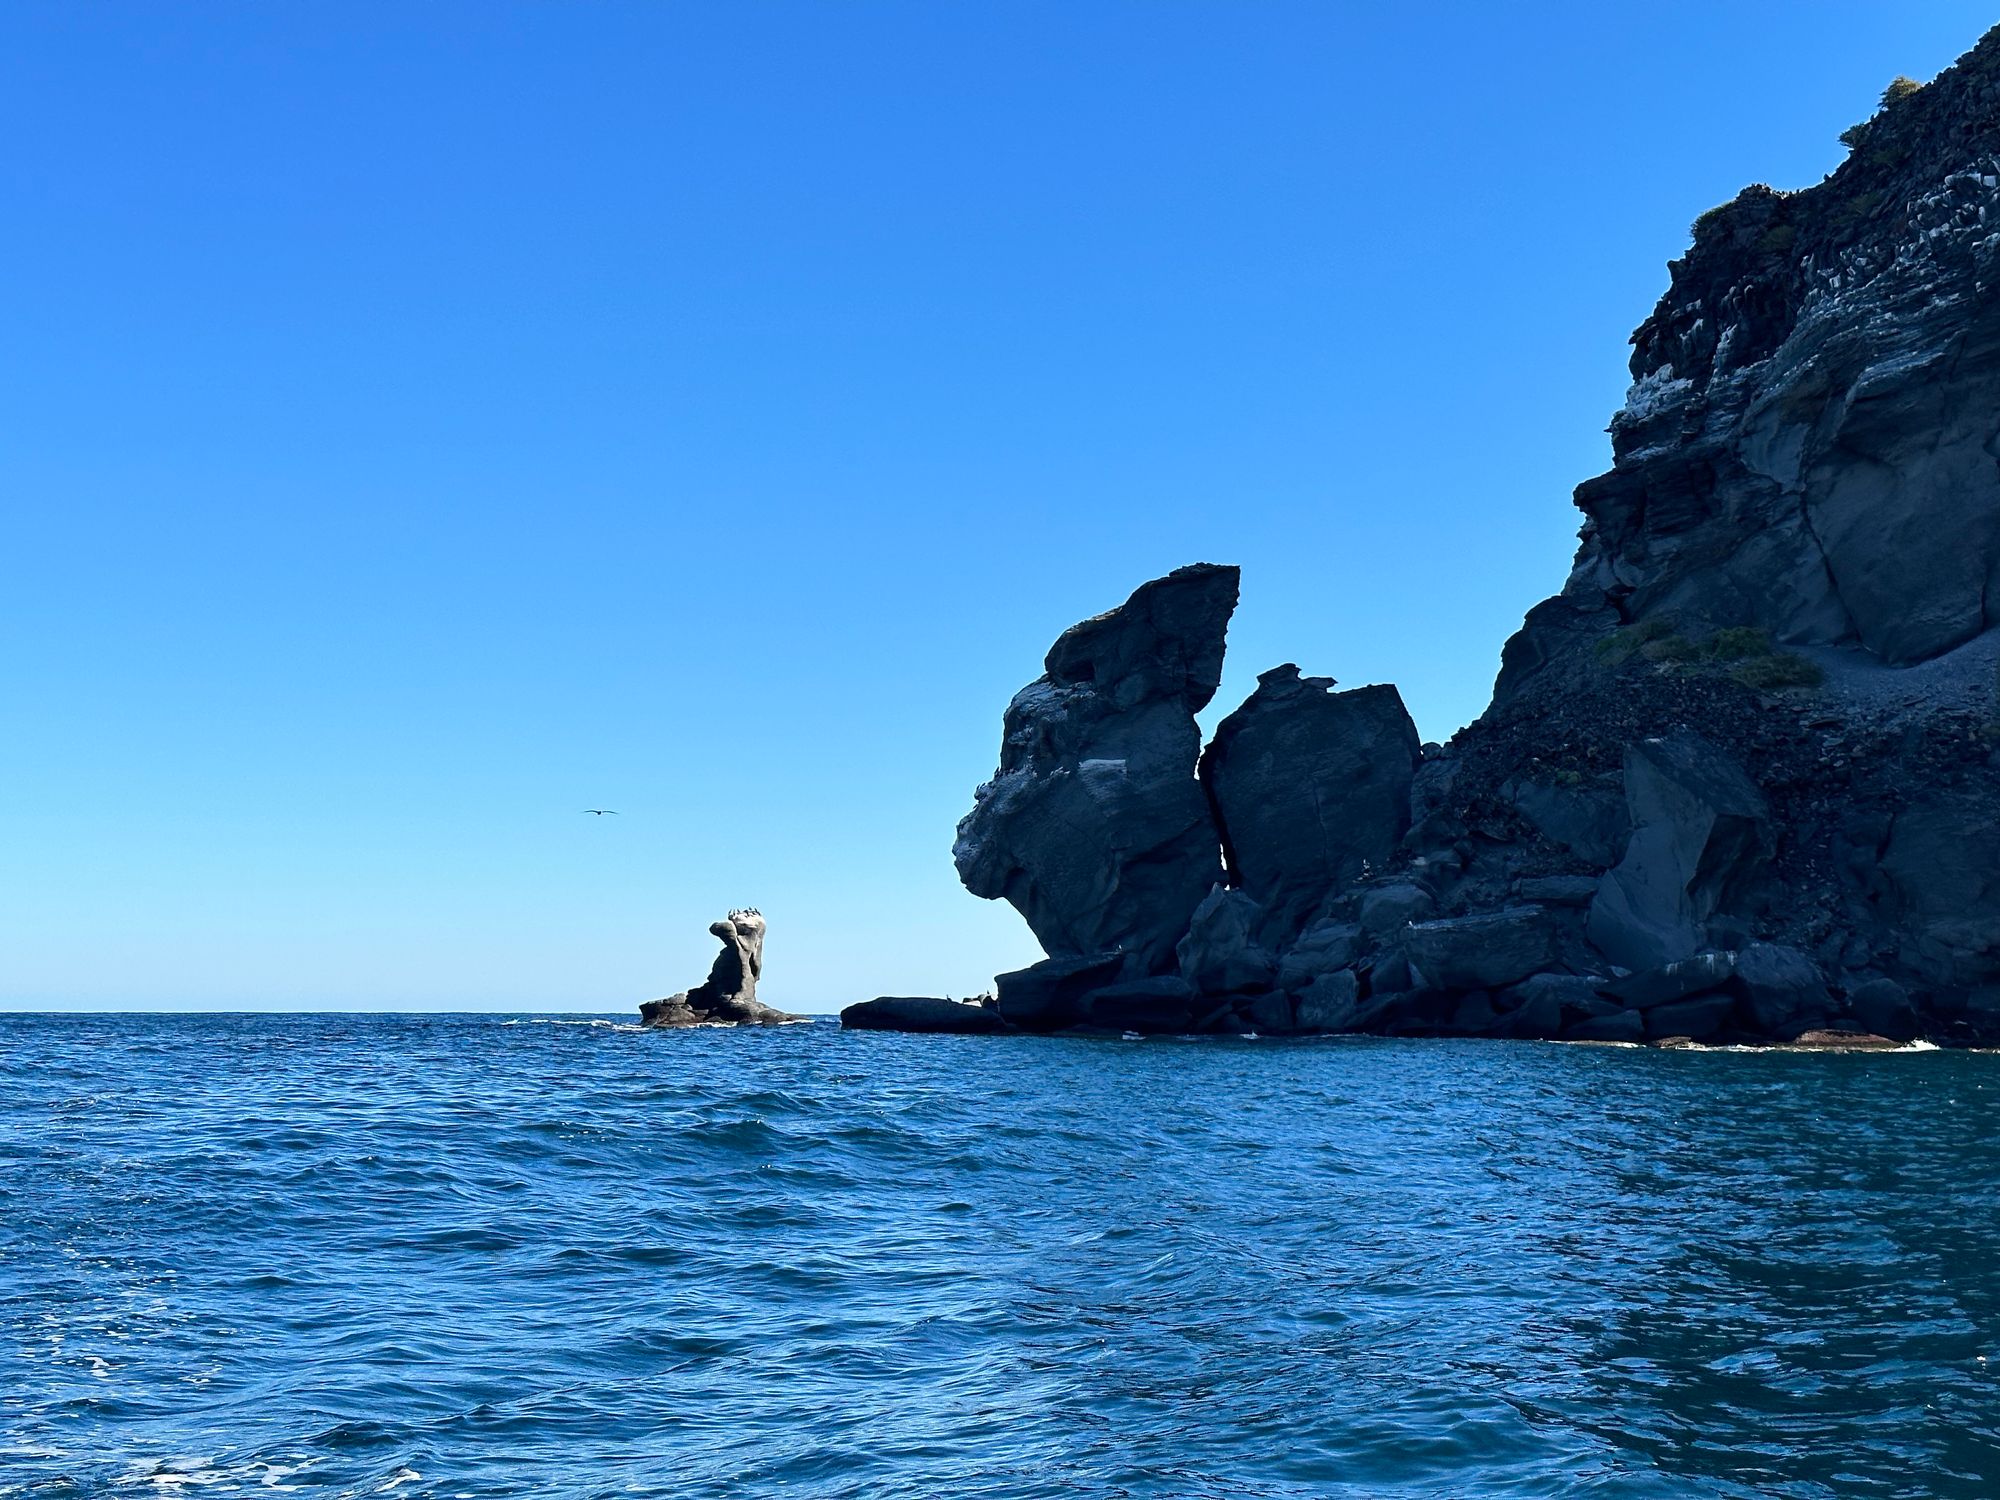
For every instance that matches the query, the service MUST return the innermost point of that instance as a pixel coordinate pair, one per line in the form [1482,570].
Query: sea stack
[728,997]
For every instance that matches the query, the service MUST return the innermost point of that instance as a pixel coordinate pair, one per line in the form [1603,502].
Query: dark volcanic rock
[1808,446]
[1698,833]
[1943,865]
[923,1013]
[1478,952]
[729,995]
[1165,1003]
[1323,948]
[1882,1007]
[1671,982]
[1745,767]
[1781,991]
[1094,827]
[1311,788]
[1331,1002]
[1592,822]
[1052,995]
[1220,954]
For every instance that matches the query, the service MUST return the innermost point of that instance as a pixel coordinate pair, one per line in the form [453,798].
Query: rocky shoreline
[1740,778]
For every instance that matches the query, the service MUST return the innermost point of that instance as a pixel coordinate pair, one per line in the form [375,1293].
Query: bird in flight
[601,811]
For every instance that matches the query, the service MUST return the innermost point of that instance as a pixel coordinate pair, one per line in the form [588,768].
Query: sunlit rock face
[728,997]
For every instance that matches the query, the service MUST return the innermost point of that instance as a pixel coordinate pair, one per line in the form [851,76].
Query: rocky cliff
[1740,779]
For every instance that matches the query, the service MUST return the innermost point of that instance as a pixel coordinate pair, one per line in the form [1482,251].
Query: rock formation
[1740,778]
[1311,788]
[1093,827]
[728,997]
[923,1013]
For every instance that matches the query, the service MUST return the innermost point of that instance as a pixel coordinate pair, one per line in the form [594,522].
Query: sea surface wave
[455,1256]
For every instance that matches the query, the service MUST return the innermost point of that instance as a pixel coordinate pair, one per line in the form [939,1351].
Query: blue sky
[427,421]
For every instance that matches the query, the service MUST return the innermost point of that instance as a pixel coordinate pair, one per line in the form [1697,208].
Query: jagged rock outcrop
[1740,779]
[1311,788]
[1809,445]
[1094,828]
[728,997]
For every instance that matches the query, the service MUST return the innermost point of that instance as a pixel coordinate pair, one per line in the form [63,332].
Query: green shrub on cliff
[1781,669]
[1742,652]
[1899,89]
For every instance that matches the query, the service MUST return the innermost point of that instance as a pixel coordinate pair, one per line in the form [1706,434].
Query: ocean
[476,1256]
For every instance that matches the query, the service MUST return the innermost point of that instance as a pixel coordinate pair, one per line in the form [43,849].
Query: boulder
[1696,1020]
[1323,948]
[1671,982]
[1883,1007]
[1220,954]
[1780,991]
[1618,1026]
[1557,890]
[1384,910]
[923,1013]
[1481,952]
[1698,837]
[1845,1041]
[1943,866]
[1311,788]
[1050,995]
[1574,996]
[1473,1014]
[1094,826]
[1269,1014]
[1163,1005]
[1330,1003]
[1592,822]
[728,997]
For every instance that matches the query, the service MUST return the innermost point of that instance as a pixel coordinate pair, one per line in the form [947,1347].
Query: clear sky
[424,422]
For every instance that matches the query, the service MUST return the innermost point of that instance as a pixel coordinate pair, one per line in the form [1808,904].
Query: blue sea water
[477,1256]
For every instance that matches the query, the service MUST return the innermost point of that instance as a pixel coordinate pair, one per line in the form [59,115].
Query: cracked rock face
[1311,788]
[1094,827]
[1812,440]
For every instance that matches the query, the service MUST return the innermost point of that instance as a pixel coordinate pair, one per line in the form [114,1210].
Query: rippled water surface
[458,1256]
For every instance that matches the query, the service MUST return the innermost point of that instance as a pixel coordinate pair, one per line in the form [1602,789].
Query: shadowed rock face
[1699,831]
[729,995]
[1094,827]
[1311,788]
[1665,826]
[1812,440]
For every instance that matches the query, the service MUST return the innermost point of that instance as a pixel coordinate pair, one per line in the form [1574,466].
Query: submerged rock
[1094,827]
[729,995]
